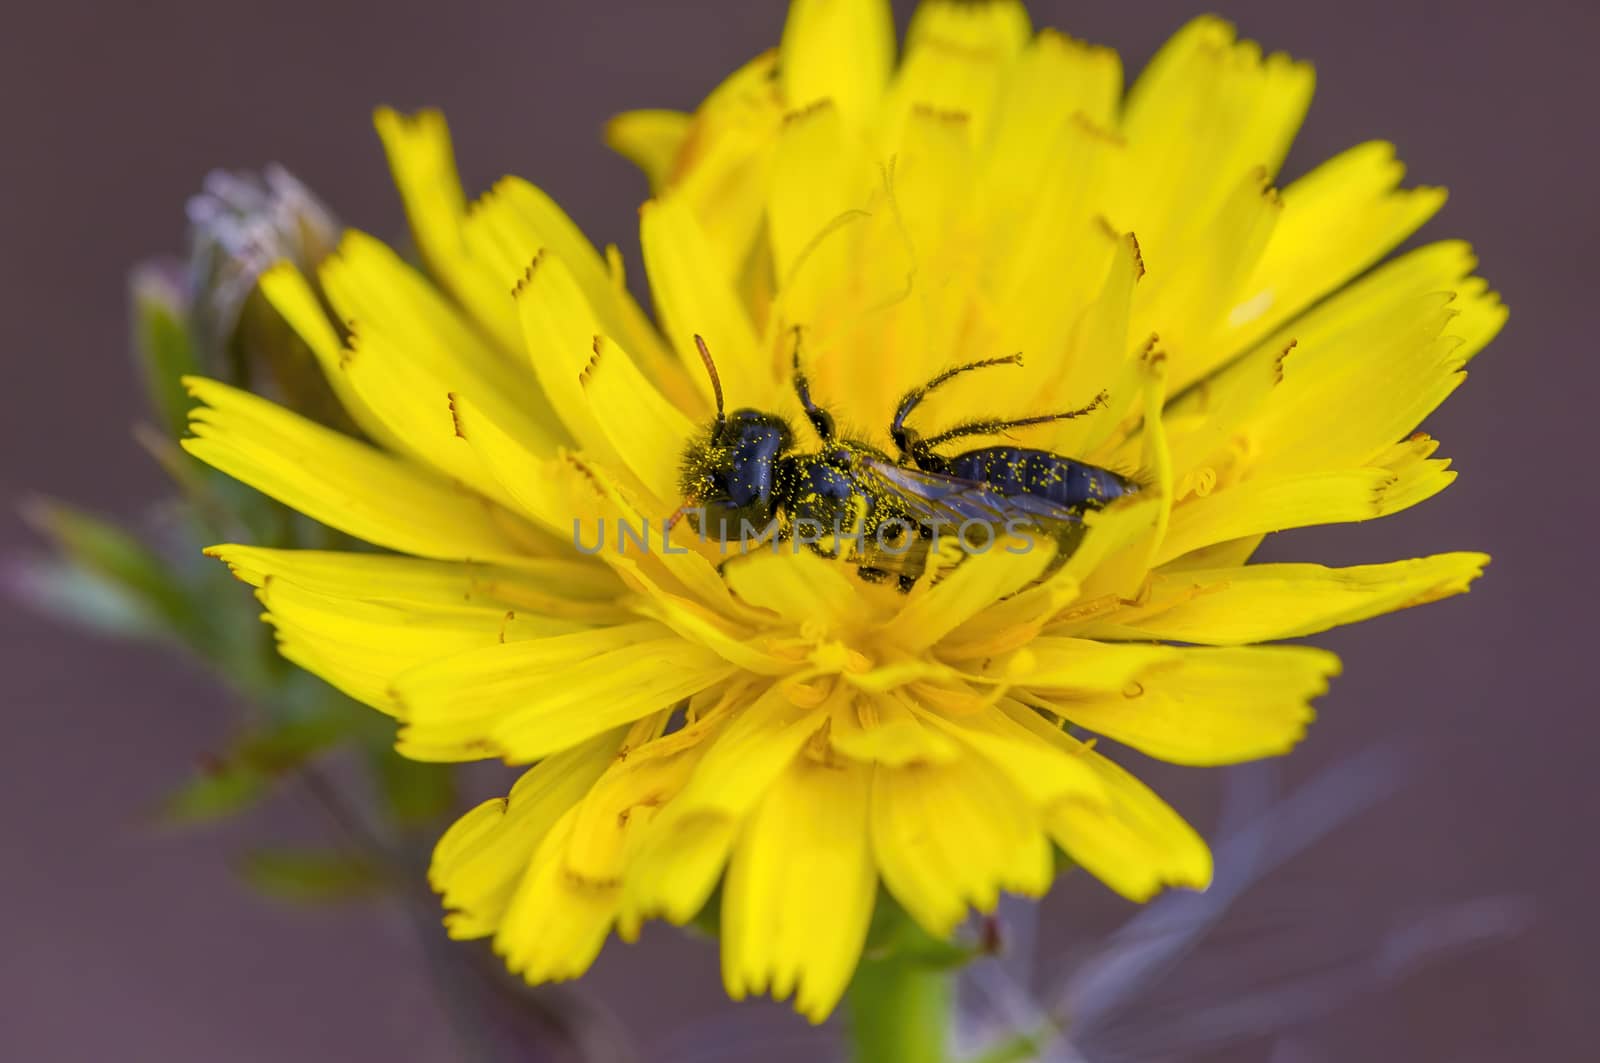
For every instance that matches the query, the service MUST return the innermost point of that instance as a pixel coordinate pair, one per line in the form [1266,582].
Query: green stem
[900,1012]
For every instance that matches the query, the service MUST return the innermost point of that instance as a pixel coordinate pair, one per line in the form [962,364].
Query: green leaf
[414,793]
[162,343]
[893,936]
[232,783]
[76,596]
[286,744]
[217,792]
[708,920]
[309,877]
[124,567]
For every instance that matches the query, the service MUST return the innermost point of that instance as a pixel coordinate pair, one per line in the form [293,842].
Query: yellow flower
[776,723]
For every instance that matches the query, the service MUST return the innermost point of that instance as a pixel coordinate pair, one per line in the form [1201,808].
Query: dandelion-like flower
[774,723]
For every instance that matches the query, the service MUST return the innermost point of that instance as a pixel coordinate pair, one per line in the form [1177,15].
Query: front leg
[820,419]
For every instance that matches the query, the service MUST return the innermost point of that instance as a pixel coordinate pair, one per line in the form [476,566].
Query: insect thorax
[829,489]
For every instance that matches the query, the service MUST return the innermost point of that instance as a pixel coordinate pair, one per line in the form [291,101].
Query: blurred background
[1443,908]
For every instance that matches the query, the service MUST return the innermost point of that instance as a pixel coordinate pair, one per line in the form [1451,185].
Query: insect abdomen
[1022,471]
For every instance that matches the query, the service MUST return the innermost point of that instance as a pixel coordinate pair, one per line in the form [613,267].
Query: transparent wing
[934,497]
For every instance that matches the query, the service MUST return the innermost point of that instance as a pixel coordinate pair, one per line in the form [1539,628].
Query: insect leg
[991,427]
[820,419]
[897,428]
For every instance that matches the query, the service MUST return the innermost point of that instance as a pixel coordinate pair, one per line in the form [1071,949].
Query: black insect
[745,479]
[1019,473]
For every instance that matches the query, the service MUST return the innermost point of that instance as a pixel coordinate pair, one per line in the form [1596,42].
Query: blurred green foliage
[150,581]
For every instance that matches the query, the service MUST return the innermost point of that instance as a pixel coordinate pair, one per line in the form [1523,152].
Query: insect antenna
[716,381]
[679,513]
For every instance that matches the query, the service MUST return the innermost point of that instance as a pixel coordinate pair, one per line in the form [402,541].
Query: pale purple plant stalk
[1117,1005]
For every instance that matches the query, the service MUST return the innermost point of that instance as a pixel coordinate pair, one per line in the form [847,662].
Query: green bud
[161,340]
[240,224]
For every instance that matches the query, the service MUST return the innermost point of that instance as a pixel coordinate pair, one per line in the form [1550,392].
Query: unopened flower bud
[240,224]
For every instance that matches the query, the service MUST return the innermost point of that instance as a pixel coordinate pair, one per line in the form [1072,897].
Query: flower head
[774,722]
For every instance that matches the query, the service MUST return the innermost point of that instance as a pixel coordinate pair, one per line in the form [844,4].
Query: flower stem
[900,1012]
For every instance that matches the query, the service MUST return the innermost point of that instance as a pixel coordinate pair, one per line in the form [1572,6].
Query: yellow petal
[946,836]
[645,429]
[818,197]
[651,140]
[1205,112]
[371,642]
[1186,302]
[352,486]
[681,583]
[998,28]
[560,330]
[409,346]
[292,296]
[1131,840]
[1050,252]
[725,164]
[367,282]
[885,728]
[1100,348]
[1209,706]
[678,863]
[978,582]
[1380,394]
[1012,622]
[1044,772]
[525,700]
[568,588]
[1396,480]
[919,254]
[800,889]
[1343,397]
[839,50]
[956,58]
[1263,603]
[691,298]
[515,221]
[620,808]
[1423,311]
[1055,79]
[1078,664]
[729,636]
[540,488]
[555,923]
[479,862]
[1337,220]
[799,586]
[424,167]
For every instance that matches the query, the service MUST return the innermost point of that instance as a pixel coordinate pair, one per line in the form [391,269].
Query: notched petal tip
[811,112]
[528,273]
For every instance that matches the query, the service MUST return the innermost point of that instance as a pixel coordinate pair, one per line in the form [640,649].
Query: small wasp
[745,474]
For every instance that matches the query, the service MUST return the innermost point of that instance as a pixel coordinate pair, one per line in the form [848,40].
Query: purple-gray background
[124,944]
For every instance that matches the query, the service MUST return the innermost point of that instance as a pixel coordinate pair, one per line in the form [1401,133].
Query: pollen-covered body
[831,489]
[1039,473]
[742,480]
[747,475]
